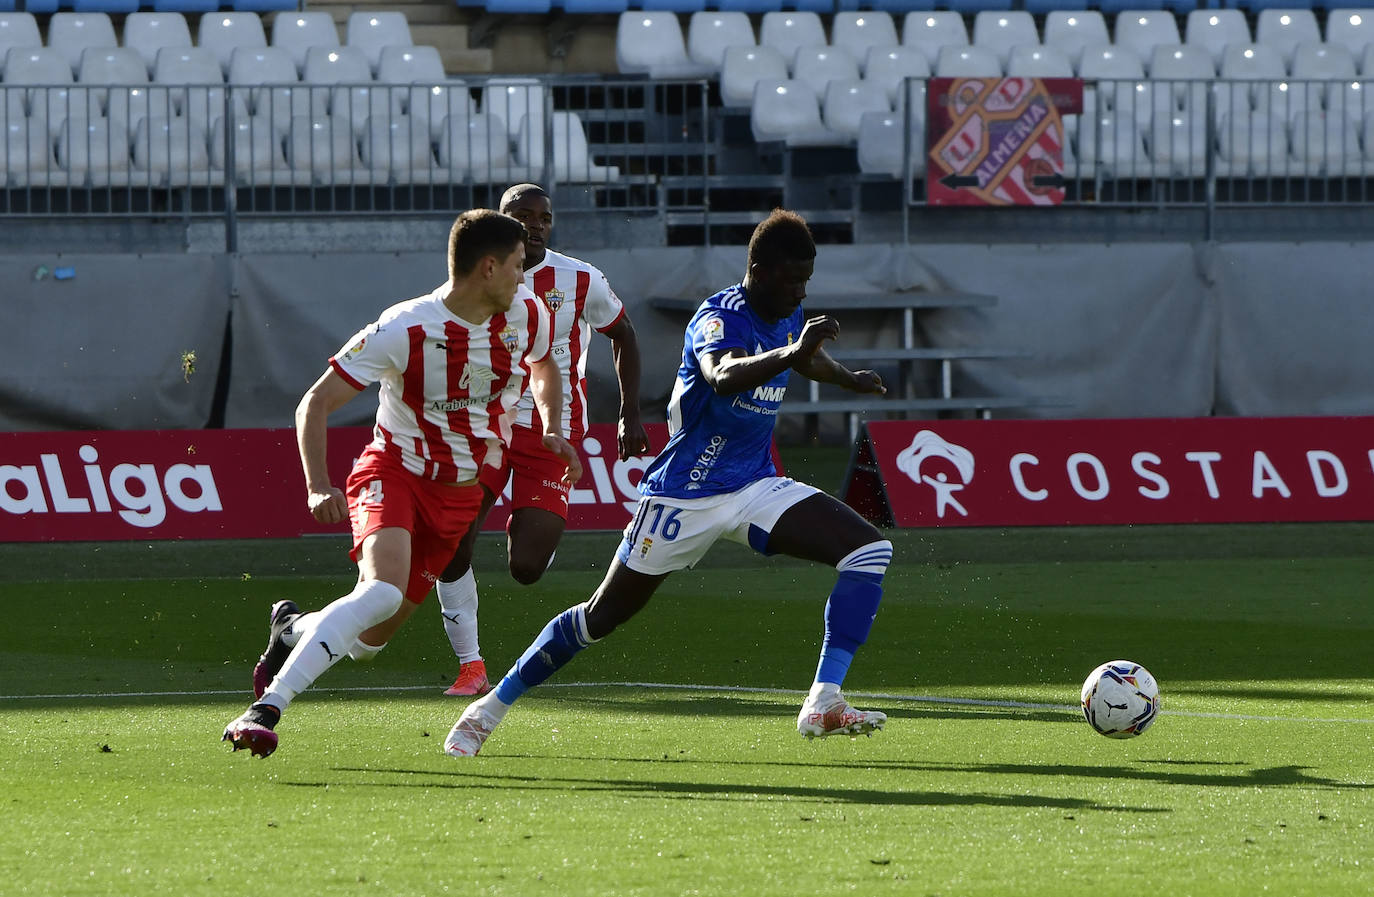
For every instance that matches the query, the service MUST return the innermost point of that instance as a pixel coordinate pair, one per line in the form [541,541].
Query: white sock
[823,693]
[331,634]
[493,706]
[362,652]
[458,604]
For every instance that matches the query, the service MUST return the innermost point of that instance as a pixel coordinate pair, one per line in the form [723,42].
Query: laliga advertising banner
[1033,472]
[230,484]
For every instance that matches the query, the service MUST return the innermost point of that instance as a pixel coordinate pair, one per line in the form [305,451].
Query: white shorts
[670,534]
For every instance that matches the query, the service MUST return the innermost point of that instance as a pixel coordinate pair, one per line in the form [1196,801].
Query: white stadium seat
[743,68]
[930,32]
[18,29]
[224,32]
[1143,30]
[148,32]
[967,62]
[889,67]
[1352,29]
[881,145]
[1251,143]
[787,31]
[1072,30]
[326,148]
[299,31]
[70,33]
[1114,143]
[650,42]
[354,99]
[859,32]
[1001,31]
[476,148]
[26,153]
[819,65]
[94,152]
[283,101]
[1326,144]
[1039,62]
[398,147]
[711,33]
[373,31]
[259,158]
[125,103]
[572,162]
[789,111]
[171,152]
[1284,29]
[844,103]
[1215,30]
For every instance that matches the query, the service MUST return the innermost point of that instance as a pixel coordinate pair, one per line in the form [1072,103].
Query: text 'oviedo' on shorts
[669,534]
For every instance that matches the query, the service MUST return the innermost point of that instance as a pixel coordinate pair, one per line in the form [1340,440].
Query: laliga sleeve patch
[712,330]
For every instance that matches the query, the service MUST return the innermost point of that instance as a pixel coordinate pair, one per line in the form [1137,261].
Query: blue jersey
[720,444]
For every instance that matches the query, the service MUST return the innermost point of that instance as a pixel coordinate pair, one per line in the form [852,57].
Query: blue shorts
[669,534]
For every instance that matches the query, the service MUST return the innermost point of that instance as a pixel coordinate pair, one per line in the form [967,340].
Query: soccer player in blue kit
[715,479]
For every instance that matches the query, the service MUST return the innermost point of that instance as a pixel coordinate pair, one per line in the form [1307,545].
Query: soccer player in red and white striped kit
[452,365]
[581,302]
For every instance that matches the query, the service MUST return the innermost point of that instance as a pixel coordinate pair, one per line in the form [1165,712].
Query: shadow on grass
[754,791]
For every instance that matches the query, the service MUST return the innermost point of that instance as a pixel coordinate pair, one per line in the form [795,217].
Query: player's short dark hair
[520,191]
[478,233]
[781,237]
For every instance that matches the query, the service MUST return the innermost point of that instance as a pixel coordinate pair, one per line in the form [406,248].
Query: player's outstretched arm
[631,436]
[329,393]
[822,368]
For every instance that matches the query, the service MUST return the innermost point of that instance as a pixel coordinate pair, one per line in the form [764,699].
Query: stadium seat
[1178,142]
[604,7]
[888,68]
[930,32]
[371,31]
[121,71]
[192,83]
[1045,7]
[36,84]
[298,32]
[1039,62]
[650,42]
[69,33]
[1259,64]
[788,31]
[1072,31]
[1112,143]
[846,101]
[18,29]
[1121,90]
[398,148]
[1214,29]
[508,100]
[1327,73]
[790,111]
[858,32]
[1142,30]
[743,67]
[572,162]
[327,149]
[94,152]
[1251,143]
[1000,31]
[224,32]
[747,6]
[972,7]
[430,95]
[1180,74]
[148,32]
[967,62]
[475,147]
[1352,29]
[1121,7]
[881,145]
[354,99]
[1284,29]
[171,152]
[710,34]
[259,159]
[282,101]
[26,153]
[818,66]
[1326,144]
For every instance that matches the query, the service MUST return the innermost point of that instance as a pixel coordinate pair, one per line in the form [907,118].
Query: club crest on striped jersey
[553,298]
[510,336]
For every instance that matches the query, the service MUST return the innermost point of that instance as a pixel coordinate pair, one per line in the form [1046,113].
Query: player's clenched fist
[328,506]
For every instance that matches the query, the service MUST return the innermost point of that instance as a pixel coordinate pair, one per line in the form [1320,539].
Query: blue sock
[562,638]
[852,606]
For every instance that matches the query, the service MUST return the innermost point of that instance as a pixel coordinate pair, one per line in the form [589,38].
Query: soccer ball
[1120,699]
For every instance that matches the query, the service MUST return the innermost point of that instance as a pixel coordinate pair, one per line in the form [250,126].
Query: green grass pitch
[665,760]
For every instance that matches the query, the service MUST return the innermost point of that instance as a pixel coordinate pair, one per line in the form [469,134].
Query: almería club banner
[229,484]
[1037,473]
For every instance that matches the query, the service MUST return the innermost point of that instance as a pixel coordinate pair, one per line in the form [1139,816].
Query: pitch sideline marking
[677,686]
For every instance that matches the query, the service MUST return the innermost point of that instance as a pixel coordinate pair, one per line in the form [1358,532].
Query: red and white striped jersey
[447,385]
[581,300]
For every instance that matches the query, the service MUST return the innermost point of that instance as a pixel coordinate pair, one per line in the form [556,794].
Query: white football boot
[467,736]
[826,712]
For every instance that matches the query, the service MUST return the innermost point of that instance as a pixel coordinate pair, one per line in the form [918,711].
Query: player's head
[782,258]
[531,206]
[488,248]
